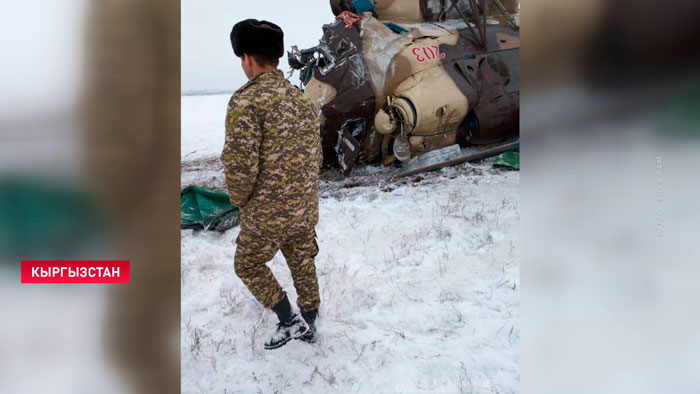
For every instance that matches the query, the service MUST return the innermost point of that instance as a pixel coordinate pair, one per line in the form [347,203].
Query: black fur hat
[256,37]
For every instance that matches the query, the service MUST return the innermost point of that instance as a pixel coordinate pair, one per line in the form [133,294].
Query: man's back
[272,156]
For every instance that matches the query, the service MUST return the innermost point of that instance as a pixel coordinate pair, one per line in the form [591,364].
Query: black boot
[283,310]
[310,318]
[291,326]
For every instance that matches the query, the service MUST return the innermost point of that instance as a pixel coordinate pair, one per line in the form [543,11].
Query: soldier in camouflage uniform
[272,157]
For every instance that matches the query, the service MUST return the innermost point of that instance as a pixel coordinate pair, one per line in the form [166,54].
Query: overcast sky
[208,61]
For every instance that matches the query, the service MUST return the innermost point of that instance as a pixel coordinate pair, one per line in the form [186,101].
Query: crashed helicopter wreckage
[395,79]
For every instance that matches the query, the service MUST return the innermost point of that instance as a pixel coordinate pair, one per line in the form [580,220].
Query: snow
[419,284]
[202,123]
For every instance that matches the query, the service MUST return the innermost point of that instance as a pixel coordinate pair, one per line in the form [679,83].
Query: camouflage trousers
[300,249]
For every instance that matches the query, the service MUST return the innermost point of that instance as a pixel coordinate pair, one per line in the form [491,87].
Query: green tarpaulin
[508,160]
[45,218]
[206,209]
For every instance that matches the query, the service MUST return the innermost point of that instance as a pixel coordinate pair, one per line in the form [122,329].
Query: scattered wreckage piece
[450,156]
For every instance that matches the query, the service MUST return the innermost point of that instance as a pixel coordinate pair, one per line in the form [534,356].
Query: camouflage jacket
[272,156]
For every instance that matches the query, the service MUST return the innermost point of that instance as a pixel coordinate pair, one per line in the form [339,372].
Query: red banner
[75,271]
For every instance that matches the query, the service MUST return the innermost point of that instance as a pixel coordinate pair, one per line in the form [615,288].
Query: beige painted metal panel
[319,92]
[399,10]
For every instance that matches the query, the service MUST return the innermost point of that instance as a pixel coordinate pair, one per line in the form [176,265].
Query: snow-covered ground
[419,284]
[202,124]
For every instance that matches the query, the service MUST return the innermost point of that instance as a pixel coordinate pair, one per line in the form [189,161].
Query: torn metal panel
[354,98]
[347,147]
[432,165]
[434,157]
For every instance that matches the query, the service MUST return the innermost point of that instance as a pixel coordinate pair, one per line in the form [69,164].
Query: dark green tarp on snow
[508,160]
[206,209]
